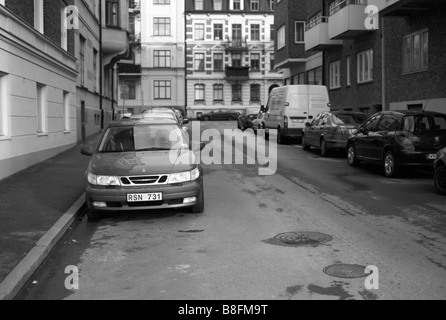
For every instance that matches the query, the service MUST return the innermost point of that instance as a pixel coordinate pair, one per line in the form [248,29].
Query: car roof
[348,112]
[142,121]
[413,113]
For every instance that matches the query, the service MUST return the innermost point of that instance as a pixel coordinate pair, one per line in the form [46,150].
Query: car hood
[142,163]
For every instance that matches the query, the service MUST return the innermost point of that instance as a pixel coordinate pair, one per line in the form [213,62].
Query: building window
[199,92]
[95,70]
[272,32]
[41,109]
[314,76]
[255,93]
[416,52]
[198,4]
[299,32]
[281,37]
[255,61]
[82,61]
[218,92]
[162,89]
[161,26]
[131,90]
[236,59]
[255,5]
[255,32]
[271,61]
[218,31]
[218,61]
[111,13]
[236,5]
[348,66]
[199,62]
[236,32]
[335,75]
[236,92]
[161,2]
[301,78]
[365,66]
[66,111]
[218,6]
[199,31]
[3,106]
[161,59]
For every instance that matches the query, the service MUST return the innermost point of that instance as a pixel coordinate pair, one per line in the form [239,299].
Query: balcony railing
[316,35]
[347,19]
[237,73]
[339,4]
[237,44]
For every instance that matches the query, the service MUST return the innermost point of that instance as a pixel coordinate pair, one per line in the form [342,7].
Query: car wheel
[305,146]
[440,180]
[390,165]
[324,149]
[199,208]
[92,214]
[351,156]
[206,118]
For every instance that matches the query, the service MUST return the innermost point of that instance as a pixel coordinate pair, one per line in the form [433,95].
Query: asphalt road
[228,252]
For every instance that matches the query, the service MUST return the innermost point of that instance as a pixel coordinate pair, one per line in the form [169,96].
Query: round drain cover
[346,271]
[303,238]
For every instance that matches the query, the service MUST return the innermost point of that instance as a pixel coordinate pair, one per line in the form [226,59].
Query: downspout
[383,66]
[185,62]
[101,66]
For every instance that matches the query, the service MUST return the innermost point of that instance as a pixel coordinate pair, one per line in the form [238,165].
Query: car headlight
[103,180]
[184,176]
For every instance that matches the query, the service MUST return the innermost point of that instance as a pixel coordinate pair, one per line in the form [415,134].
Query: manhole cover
[346,271]
[300,238]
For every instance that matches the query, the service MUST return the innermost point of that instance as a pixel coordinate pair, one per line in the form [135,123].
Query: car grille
[144,180]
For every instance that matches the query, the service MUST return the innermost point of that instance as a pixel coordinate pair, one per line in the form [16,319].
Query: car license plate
[432,156]
[143,197]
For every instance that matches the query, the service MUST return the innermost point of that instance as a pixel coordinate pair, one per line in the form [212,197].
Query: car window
[142,138]
[317,119]
[371,123]
[324,119]
[387,123]
[354,119]
[424,123]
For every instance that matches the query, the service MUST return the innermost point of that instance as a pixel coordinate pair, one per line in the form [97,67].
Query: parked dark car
[132,168]
[331,130]
[399,138]
[177,113]
[245,119]
[440,172]
[221,114]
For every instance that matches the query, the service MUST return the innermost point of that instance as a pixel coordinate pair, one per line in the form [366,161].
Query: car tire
[351,156]
[92,215]
[440,180]
[324,149]
[206,118]
[199,207]
[391,169]
[305,146]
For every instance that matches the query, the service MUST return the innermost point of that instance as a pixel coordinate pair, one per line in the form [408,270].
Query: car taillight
[285,122]
[406,143]
[342,130]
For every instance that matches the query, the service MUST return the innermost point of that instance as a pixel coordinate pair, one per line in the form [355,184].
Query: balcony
[316,36]
[237,73]
[131,69]
[347,19]
[403,8]
[114,40]
[237,45]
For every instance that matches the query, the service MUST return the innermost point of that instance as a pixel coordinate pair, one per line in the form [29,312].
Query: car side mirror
[87,150]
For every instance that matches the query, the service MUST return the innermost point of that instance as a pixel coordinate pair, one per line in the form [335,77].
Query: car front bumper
[116,197]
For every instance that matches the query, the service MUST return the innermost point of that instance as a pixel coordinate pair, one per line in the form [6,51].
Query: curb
[17,278]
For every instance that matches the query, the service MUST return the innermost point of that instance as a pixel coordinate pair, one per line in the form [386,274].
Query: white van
[290,107]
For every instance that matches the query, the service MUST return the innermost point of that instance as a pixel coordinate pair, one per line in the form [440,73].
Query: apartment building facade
[379,54]
[154,74]
[297,65]
[50,75]
[229,54]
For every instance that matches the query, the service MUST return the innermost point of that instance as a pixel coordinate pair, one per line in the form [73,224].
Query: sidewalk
[32,202]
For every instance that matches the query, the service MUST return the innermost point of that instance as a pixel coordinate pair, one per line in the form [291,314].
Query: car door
[310,133]
[362,138]
[323,128]
[379,136]
[270,111]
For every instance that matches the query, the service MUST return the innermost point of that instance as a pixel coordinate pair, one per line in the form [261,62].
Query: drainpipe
[100,66]
[383,66]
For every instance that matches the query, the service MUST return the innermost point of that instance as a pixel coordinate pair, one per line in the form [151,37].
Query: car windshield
[340,119]
[142,138]
[421,123]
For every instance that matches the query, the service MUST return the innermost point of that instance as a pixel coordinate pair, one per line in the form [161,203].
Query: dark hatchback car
[399,138]
[141,164]
[245,119]
[331,130]
[440,172]
[222,114]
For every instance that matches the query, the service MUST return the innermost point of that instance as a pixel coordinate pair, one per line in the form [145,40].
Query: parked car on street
[259,122]
[398,138]
[440,172]
[331,130]
[220,114]
[177,113]
[132,169]
[244,120]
